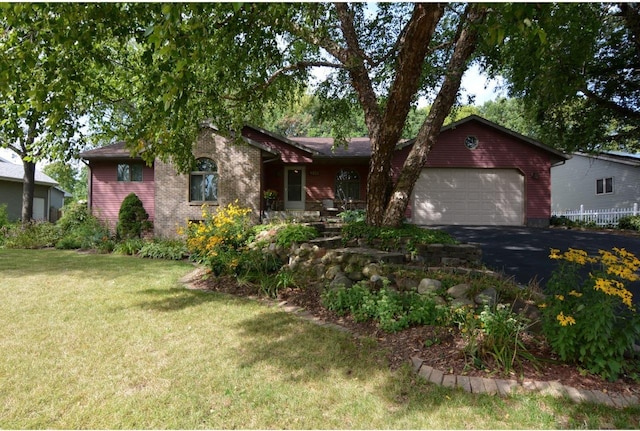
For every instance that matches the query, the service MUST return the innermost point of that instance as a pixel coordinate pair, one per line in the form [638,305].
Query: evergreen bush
[132,218]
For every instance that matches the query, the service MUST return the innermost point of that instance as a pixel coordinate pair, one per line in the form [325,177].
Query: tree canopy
[577,73]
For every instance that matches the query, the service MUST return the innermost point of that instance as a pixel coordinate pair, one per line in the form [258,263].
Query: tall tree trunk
[29,177]
[428,134]
[28,190]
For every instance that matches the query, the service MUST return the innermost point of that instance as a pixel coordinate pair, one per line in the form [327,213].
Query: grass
[109,341]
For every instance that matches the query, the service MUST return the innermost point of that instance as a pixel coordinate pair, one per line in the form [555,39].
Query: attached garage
[469,196]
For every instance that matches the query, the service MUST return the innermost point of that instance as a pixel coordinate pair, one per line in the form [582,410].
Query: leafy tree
[43,82]
[577,73]
[510,113]
[225,62]
[64,173]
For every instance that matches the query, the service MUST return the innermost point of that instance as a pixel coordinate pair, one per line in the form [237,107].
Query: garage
[469,196]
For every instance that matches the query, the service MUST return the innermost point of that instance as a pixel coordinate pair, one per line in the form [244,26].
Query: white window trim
[604,186]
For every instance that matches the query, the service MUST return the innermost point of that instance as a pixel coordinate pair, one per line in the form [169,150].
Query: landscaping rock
[341,280]
[462,302]
[371,269]
[459,291]
[332,271]
[486,297]
[429,285]
[406,284]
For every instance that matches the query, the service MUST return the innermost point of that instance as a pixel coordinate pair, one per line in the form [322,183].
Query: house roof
[615,156]
[323,147]
[113,151]
[13,172]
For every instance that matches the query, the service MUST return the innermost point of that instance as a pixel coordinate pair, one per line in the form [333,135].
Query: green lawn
[106,341]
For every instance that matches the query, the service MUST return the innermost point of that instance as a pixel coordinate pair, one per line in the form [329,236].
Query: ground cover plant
[112,341]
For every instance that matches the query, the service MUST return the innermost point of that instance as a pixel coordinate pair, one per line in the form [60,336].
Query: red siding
[495,150]
[107,193]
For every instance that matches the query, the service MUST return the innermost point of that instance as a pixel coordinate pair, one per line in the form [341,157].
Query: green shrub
[132,217]
[163,249]
[73,215]
[350,216]
[80,232]
[32,235]
[627,222]
[394,311]
[591,320]
[294,233]
[129,247]
[394,238]
[4,216]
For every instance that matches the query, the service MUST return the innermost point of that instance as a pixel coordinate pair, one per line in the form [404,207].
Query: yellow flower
[565,320]
[543,305]
[555,254]
[560,297]
[576,294]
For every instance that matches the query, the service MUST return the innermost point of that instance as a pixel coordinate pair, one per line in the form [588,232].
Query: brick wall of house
[239,169]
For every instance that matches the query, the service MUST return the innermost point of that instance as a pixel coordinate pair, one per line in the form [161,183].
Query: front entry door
[294,193]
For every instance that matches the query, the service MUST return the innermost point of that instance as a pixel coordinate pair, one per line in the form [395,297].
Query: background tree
[68,177]
[44,79]
[578,73]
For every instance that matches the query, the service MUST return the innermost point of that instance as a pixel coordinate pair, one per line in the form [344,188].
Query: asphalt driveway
[524,252]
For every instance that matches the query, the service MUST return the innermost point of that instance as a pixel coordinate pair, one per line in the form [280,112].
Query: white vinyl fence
[601,217]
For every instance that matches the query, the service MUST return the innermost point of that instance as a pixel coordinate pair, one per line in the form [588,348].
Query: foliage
[163,249]
[627,222]
[496,333]
[291,233]
[350,216]
[74,214]
[393,238]
[4,216]
[219,240]
[91,234]
[47,71]
[394,311]
[129,246]
[572,64]
[66,175]
[591,319]
[132,217]
[567,222]
[31,235]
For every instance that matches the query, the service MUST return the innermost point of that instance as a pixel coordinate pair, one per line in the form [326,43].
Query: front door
[294,193]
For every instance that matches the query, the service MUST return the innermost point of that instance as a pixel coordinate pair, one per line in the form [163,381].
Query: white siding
[574,184]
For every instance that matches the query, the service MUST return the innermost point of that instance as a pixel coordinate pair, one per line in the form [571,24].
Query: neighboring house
[603,181]
[48,198]
[477,173]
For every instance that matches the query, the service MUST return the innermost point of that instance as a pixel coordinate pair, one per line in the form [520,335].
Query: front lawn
[108,341]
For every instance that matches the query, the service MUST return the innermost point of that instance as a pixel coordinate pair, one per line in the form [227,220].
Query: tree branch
[608,104]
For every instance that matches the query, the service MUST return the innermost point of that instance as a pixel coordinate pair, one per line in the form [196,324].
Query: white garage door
[469,196]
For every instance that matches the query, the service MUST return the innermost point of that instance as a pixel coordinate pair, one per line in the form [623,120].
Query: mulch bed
[439,347]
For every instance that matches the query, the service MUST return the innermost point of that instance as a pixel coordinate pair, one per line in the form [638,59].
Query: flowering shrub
[218,240]
[590,319]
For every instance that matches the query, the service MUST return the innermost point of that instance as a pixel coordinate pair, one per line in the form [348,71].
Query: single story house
[477,173]
[596,181]
[48,198]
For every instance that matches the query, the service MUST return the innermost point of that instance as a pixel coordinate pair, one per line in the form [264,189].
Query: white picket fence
[601,217]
